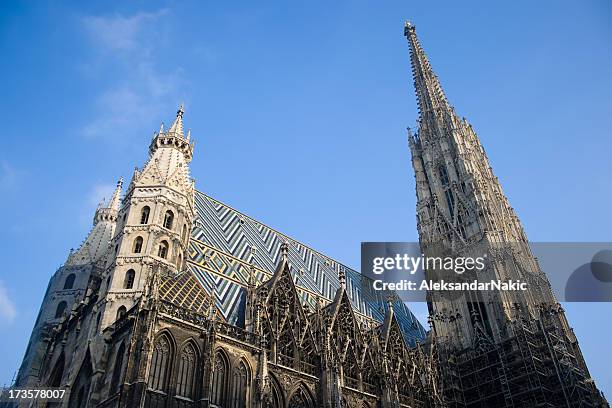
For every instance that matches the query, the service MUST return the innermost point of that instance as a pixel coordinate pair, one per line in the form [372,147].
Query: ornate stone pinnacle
[342,277]
[284,249]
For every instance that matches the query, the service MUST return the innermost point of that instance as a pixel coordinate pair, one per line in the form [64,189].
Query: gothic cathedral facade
[178,300]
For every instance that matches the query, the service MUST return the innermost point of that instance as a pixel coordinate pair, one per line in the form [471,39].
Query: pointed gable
[347,341]
[284,320]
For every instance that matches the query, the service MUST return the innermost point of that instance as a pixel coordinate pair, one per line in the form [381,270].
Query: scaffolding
[534,367]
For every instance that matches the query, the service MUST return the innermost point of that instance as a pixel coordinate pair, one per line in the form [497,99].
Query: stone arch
[164,240]
[161,361]
[61,308]
[55,379]
[79,393]
[137,245]
[220,377]
[144,215]
[69,282]
[301,397]
[168,221]
[128,280]
[240,390]
[188,361]
[275,397]
[117,369]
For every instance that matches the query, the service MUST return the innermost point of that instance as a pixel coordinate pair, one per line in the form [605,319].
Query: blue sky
[299,115]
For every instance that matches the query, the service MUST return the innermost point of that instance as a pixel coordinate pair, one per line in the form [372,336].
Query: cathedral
[175,299]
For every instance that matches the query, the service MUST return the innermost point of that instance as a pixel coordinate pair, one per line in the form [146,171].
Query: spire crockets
[431,98]
[115,200]
[97,242]
[109,212]
[177,125]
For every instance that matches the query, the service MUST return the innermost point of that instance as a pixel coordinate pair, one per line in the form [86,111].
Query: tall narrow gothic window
[144,215]
[277,399]
[128,283]
[69,283]
[160,364]
[168,219]
[240,386]
[137,245]
[186,372]
[55,379]
[61,307]
[121,312]
[219,380]
[443,175]
[450,200]
[184,233]
[117,370]
[162,252]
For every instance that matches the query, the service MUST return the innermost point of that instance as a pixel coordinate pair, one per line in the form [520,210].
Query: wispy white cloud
[120,33]
[8,175]
[8,311]
[131,47]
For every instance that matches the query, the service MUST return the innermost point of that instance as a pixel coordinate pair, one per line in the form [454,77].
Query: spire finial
[342,277]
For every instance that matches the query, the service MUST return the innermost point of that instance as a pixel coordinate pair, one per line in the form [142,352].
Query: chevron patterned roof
[227,246]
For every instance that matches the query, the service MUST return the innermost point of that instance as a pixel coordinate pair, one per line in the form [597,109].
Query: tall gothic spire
[461,206]
[431,98]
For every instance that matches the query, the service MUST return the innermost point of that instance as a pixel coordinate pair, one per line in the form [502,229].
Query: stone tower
[68,286]
[462,211]
[461,208]
[154,222]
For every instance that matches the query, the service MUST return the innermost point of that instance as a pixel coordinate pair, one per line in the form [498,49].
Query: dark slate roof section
[226,242]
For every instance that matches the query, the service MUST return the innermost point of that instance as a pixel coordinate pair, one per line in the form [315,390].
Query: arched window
[81,385]
[160,364]
[184,232]
[61,307]
[168,219]
[117,370]
[69,283]
[179,262]
[443,175]
[300,399]
[137,245]
[162,252]
[277,395]
[186,372]
[240,386]
[55,379]
[219,380]
[121,312]
[128,283]
[144,215]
